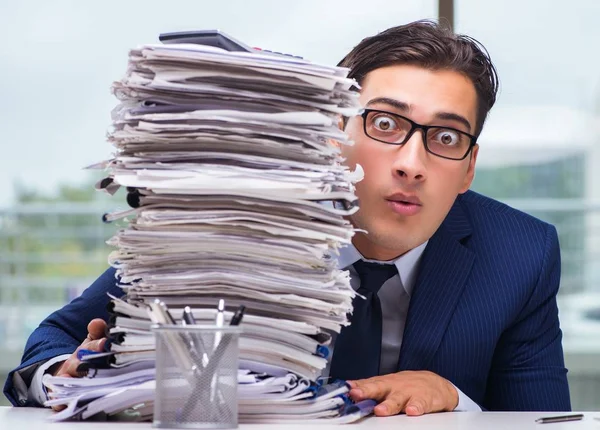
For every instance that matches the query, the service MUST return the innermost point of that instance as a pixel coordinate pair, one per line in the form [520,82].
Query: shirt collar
[406,264]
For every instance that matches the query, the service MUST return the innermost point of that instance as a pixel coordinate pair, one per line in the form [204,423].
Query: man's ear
[470,175]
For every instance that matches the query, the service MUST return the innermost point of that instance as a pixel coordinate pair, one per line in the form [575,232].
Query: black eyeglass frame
[413,127]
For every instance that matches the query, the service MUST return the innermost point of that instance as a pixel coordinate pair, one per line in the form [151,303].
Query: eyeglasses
[445,142]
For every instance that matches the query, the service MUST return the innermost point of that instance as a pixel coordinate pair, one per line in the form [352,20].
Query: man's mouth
[404,204]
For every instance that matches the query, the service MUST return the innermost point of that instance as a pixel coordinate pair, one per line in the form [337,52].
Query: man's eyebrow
[449,116]
[392,102]
[454,117]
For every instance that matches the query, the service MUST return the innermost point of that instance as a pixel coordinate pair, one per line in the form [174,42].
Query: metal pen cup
[196,376]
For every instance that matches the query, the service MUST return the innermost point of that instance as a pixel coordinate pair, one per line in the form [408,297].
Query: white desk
[36,419]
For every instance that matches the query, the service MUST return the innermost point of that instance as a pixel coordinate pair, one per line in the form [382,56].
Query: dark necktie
[357,349]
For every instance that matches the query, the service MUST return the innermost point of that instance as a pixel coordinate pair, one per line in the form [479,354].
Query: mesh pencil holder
[196,376]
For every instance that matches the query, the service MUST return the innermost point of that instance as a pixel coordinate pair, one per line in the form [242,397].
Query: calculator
[218,39]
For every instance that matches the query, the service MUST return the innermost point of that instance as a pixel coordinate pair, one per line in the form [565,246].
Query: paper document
[237,194]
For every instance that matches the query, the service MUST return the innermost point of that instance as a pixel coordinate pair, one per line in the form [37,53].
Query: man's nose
[409,164]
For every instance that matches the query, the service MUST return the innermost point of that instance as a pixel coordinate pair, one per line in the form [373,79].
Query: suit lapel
[443,272]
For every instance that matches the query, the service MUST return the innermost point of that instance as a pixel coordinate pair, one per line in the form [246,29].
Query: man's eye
[384,123]
[447,137]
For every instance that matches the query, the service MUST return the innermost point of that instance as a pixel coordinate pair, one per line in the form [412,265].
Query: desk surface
[36,418]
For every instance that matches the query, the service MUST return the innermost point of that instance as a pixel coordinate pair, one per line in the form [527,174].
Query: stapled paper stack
[237,192]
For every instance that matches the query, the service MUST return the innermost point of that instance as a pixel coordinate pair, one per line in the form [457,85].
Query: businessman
[460,310]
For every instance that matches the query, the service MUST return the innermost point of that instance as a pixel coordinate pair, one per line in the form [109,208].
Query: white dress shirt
[394,297]
[36,391]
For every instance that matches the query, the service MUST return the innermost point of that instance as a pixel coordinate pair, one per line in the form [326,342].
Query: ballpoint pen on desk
[559,419]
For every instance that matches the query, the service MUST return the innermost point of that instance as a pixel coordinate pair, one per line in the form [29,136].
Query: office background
[540,150]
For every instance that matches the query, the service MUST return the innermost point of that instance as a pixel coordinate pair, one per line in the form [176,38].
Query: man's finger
[69,367]
[96,329]
[393,405]
[372,388]
[416,407]
[94,345]
[58,408]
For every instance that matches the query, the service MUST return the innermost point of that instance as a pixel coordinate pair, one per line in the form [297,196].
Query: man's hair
[432,46]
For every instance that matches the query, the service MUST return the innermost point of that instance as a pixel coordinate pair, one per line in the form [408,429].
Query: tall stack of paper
[228,160]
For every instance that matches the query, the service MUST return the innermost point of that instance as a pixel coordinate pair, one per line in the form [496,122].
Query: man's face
[396,173]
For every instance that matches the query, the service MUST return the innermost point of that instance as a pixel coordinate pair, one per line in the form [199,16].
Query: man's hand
[94,341]
[415,393]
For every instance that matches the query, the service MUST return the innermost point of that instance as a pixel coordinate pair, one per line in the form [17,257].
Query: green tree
[51,242]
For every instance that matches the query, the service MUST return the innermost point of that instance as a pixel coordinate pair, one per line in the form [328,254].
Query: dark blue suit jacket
[483,312]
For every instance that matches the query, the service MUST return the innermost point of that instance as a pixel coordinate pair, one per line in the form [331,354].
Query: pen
[159,314]
[188,317]
[193,341]
[219,322]
[170,319]
[559,419]
[217,340]
[237,317]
